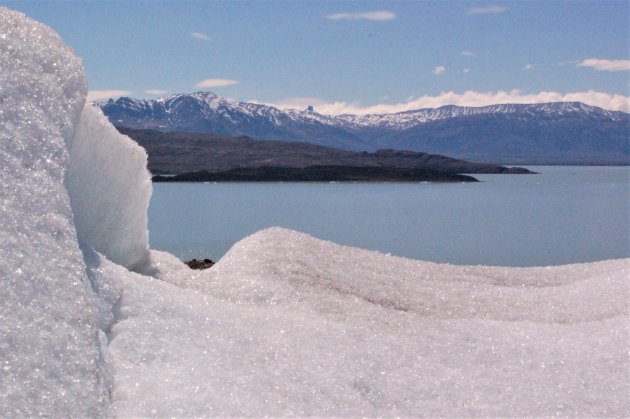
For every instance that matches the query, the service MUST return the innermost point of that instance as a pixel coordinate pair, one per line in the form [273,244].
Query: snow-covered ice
[284,324]
[50,355]
[110,188]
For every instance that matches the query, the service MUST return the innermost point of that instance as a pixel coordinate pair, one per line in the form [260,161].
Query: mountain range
[548,133]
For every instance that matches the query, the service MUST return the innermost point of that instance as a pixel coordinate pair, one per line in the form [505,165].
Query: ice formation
[288,325]
[50,357]
[285,324]
[110,188]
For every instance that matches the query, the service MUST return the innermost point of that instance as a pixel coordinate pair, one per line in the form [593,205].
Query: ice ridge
[69,180]
[110,188]
[50,355]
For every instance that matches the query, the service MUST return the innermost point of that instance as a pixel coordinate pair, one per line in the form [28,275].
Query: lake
[562,215]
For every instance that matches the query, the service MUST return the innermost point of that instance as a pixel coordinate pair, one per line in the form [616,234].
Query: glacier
[109,196]
[94,323]
[51,351]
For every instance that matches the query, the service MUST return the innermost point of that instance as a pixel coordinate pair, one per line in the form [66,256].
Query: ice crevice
[93,323]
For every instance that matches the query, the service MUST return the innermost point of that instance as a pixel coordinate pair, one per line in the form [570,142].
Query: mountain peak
[418,130]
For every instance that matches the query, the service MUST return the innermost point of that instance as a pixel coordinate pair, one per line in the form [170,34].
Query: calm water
[562,215]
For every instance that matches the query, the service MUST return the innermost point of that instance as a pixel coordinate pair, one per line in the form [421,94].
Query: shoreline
[317,174]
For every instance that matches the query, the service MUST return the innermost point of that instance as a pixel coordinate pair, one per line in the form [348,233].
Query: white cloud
[468,53]
[439,70]
[466,70]
[613,102]
[156,92]
[486,10]
[376,15]
[201,36]
[528,67]
[105,94]
[606,65]
[209,83]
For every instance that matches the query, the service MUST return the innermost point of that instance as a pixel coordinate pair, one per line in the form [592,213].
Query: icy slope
[110,189]
[50,355]
[286,324]
[53,312]
[279,266]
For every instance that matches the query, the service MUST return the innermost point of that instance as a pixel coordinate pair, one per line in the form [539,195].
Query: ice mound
[277,266]
[50,353]
[288,325]
[110,188]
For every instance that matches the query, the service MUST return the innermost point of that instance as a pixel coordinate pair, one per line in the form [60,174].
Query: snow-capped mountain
[561,132]
[410,119]
[208,113]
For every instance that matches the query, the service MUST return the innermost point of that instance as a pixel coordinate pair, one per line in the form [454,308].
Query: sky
[351,57]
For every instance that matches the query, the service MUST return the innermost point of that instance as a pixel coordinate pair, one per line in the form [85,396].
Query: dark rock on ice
[199,263]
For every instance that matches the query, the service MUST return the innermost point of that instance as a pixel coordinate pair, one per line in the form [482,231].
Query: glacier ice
[50,355]
[110,188]
[284,324]
[289,325]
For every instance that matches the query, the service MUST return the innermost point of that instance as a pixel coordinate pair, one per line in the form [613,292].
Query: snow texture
[110,188]
[288,325]
[50,347]
[285,324]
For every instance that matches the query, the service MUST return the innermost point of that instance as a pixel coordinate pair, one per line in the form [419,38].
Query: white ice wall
[110,188]
[50,360]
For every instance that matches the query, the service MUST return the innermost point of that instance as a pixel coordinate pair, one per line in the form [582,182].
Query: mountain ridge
[416,116]
[555,132]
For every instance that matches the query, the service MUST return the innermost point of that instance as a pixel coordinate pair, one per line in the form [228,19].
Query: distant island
[317,174]
[183,152]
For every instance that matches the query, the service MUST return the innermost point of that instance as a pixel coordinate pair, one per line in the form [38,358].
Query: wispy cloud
[439,70]
[613,102]
[201,36]
[375,15]
[466,70]
[468,53]
[105,94]
[156,92]
[528,67]
[606,65]
[486,10]
[210,83]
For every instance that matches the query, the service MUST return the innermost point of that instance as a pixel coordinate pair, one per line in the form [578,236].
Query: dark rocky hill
[180,152]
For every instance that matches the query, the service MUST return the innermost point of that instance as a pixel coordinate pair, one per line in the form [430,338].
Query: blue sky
[351,56]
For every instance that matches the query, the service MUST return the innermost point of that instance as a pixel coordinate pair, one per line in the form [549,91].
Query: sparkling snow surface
[110,188]
[50,355]
[285,324]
